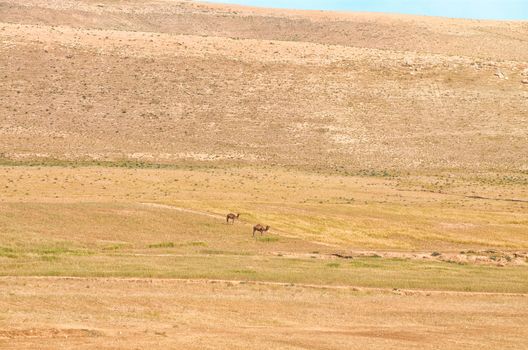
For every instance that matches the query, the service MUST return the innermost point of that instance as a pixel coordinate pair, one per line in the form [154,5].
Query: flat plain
[389,155]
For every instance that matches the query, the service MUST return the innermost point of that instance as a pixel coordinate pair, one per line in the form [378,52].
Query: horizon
[463,9]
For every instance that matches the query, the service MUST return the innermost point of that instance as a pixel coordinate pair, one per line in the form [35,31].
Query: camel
[260,229]
[232,217]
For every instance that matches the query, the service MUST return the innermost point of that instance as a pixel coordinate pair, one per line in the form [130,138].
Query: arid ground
[389,155]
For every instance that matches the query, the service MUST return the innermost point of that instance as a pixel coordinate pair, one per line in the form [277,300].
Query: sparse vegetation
[197,244]
[268,239]
[7,253]
[375,147]
[114,247]
[162,245]
[334,265]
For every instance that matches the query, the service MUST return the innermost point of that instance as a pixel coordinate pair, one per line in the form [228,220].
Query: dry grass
[376,147]
[348,211]
[99,221]
[115,313]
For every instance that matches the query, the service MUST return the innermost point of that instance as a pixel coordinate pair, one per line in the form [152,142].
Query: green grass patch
[361,272]
[245,272]
[268,239]
[162,245]
[8,253]
[43,252]
[333,265]
[114,247]
[221,252]
[61,250]
[55,250]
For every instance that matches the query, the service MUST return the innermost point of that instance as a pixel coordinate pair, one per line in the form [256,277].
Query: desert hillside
[375,168]
[172,81]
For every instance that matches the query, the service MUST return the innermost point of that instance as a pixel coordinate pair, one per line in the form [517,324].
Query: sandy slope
[169,81]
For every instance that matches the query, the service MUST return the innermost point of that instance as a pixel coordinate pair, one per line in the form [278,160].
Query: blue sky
[478,9]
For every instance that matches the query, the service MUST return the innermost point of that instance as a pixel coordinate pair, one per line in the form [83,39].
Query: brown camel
[232,217]
[260,229]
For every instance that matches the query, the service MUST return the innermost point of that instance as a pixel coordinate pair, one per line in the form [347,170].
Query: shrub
[162,245]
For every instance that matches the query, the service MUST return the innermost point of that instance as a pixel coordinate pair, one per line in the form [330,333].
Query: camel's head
[238,215]
[267,228]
